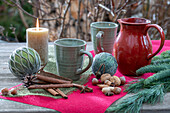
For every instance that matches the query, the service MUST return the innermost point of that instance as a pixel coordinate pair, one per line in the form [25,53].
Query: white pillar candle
[37,38]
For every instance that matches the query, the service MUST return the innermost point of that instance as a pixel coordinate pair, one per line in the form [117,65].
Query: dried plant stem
[63,21]
[78,19]
[19,7]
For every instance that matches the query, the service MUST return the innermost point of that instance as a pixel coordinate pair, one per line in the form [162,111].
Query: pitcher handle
[82,52]
[99,35]
[162,38]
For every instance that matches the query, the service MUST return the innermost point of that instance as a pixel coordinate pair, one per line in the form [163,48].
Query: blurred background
[72,18]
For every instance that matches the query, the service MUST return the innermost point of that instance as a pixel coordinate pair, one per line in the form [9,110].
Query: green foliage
[157,76]
[134,86]
[134,103]
[160,61]
[10,16]
[150,90]
[152,68]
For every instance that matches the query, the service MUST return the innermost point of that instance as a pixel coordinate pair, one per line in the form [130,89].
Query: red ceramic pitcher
[132,47]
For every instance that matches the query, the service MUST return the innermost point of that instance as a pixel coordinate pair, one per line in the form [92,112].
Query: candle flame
[37,25]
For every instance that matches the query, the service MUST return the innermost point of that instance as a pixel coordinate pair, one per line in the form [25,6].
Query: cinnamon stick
[50,86]
[52,91]
[61,93]
[52,80]
[39,82]
[42,72]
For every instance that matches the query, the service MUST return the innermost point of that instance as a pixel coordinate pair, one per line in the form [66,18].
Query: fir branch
[163,55]
[166,54]
[157,76]
[134,103]
[160,61]
[156,58]
[134,86]
[152,68]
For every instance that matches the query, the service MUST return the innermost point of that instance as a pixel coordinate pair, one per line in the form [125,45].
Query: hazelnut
[117,90]
[105,76]
[95,81]
[13,91]
[123,80]
[105,90]
[109,93]
[5,91]
[102,85]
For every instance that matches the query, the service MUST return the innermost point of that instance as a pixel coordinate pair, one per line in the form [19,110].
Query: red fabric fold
[95,102]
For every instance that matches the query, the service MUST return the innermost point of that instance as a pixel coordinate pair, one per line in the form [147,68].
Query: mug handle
[82,52]
[162,38]
[99,35]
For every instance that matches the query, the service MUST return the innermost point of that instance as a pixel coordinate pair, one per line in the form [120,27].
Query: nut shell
[123,80]
[109,93]
[115,80]
[106,90]
[102,85]
[112,79]
[14,92]
[105,77]
[117,90]
[95,81]
[5,91]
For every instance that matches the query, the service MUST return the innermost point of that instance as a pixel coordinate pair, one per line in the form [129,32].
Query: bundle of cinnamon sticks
[52,82]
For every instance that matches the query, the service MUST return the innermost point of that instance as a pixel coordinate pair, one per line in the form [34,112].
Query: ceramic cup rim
[61,45]
[124,21]
[93,24]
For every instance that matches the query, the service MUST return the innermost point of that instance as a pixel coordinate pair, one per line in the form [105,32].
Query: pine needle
[152,68]
[134,103]
[160,61]
[157,76]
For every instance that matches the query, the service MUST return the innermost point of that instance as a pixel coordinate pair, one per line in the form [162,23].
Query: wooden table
[8,80]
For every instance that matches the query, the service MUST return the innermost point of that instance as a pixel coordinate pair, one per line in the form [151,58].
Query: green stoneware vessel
[103,35]
[69,55]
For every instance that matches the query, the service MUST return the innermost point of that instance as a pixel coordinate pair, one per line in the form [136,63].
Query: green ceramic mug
[103,35]
[69,54]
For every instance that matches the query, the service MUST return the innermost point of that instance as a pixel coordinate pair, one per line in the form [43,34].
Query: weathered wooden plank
[15,107]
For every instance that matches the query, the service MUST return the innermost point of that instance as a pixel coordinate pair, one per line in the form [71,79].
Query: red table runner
[95,102]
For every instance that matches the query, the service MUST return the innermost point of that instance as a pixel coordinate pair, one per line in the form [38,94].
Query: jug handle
[99,35]
[162,38]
